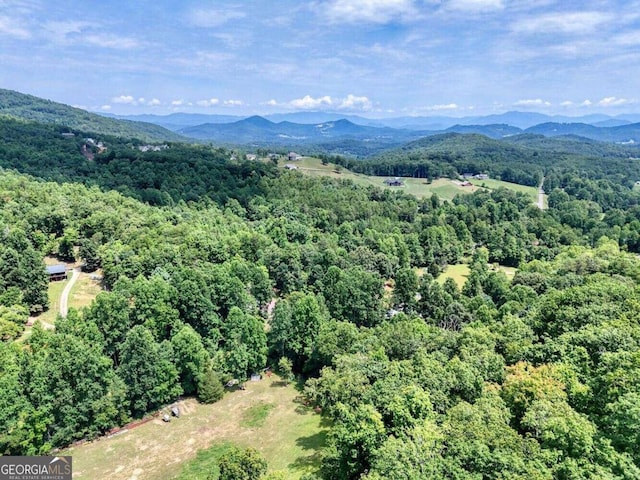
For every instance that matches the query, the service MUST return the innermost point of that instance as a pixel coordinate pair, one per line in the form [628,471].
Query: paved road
[65,293]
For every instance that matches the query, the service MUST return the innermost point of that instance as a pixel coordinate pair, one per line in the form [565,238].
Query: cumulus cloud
[368,11]
[208,18]
[9,27]
[444,106]
[208,103]
[105,107]
[562,22]
[177,103]
[272,103]
[154,102]
[535,102]
[569,103]
[125,100]
[308,102]
[353,102]
[233,103]
[613,102]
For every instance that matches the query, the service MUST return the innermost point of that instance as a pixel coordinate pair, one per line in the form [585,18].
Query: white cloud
[444,106]
[154,102]
[308,102]
[475,5]
[9,27]
[177,103]
[627,39]
[566,103]
[272,103]
[614,102]
[233,103]
[586,103]
[112,41]
[537,102]
[213,18]
[565,22]
[353,102]
[208,103]
[105,107]
[125,100]
[368,11]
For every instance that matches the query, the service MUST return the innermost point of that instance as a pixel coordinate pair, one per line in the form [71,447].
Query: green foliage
[210,388]
[30,108]
[285,369]
[241,464]
[150,377]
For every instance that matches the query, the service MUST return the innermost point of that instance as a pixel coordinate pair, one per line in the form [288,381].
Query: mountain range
[522,120]
[334,132]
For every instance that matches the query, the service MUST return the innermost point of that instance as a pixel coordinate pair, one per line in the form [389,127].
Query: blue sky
[371,57]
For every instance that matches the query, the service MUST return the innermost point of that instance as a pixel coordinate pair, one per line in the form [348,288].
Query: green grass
[458,272]
[255,416]
[445,188]
[290,437]
[84,291]
[205,465]
[531,192]
[54,291]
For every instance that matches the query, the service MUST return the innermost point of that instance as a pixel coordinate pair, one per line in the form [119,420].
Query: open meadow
[445,188]
[267,416]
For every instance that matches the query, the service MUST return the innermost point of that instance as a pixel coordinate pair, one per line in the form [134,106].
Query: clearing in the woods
[267,416]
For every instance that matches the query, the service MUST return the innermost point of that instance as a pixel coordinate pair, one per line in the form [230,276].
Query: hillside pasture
[445,188]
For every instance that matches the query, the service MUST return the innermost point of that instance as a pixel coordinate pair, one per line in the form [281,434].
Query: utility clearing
[267,416]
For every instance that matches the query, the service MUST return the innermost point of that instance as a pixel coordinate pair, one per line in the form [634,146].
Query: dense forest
[537,376]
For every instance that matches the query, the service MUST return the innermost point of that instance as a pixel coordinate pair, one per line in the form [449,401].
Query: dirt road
[64,298]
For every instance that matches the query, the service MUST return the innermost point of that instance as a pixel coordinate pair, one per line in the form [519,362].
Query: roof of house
[56,269]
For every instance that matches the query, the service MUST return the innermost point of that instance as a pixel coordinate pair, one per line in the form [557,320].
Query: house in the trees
[57,272]
[394,182]
[293,156]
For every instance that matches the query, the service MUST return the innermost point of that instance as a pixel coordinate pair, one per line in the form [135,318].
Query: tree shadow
[314,443]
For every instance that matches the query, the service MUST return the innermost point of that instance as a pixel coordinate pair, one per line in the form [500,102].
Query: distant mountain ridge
[522,120]
[258,129]
[27,107]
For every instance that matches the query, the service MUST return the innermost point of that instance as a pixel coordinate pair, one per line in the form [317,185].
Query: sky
[376,58]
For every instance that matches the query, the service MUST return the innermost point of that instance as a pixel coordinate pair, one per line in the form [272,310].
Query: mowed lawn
[458,272]
[445,188]
[84,291]
[266,416]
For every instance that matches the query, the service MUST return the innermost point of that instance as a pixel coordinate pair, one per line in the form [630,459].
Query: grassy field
[458,272]
[445,188]
[266,416]
[84,291]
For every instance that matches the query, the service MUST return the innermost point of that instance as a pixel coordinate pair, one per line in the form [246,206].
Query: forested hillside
[27,107]
[537,376]
[175,172]
[522,159]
